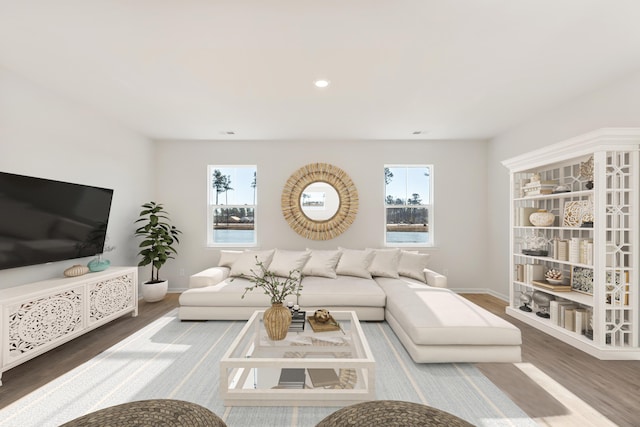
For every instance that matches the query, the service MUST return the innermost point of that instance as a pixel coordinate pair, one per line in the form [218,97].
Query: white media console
[38,317]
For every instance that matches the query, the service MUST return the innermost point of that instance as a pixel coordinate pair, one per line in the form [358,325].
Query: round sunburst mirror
[319,201]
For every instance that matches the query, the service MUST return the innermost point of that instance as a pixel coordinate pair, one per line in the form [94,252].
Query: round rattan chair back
[391,413]
[156,413]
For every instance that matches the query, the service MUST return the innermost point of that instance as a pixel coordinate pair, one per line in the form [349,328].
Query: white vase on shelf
[542,218]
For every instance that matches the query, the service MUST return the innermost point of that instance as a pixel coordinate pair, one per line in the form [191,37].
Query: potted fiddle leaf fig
[159,239]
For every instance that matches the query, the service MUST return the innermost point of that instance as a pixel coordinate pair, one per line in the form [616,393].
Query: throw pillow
[245,265]
[413,265]
[322,264]
[227,258]
[385,263]
[354,262]
[284,262]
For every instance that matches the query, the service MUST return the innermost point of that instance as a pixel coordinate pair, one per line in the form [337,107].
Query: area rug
[179,360]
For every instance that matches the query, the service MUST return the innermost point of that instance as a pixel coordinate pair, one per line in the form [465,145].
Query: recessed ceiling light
[321,83]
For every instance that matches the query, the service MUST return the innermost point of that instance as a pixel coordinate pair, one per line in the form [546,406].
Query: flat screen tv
[43,220]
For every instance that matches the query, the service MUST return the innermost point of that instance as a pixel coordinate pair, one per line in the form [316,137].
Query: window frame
[212,206]
[429,206]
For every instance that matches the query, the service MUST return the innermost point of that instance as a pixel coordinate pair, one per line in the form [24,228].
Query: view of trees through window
[408,205]
[232,205]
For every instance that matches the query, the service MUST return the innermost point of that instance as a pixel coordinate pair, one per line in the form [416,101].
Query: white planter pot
[152,292]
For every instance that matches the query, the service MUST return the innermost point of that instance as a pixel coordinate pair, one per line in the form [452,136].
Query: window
[232,205]
[408,205]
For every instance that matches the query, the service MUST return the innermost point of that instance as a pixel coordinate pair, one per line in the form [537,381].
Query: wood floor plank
[610,387]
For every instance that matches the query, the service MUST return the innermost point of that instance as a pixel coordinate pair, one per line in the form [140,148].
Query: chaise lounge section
[434,324]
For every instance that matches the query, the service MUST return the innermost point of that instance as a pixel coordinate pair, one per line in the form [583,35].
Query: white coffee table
[333,368]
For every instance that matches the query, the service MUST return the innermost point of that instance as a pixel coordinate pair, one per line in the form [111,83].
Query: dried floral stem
[276,287]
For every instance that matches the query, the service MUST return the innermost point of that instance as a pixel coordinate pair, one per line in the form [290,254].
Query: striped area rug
[179,360]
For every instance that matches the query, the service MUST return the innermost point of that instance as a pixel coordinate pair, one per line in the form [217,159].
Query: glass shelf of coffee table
[307,368]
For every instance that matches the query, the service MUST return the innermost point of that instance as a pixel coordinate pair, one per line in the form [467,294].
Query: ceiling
[197,69]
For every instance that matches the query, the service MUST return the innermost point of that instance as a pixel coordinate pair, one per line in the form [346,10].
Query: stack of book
[536,188]
[527,273]
[522,216]
[569,315]
[580,251]
[298,318]
[291,378]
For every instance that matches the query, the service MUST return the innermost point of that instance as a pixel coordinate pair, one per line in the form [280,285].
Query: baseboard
[491,292]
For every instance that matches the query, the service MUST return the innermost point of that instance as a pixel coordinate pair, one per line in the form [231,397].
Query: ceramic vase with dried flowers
[277,318]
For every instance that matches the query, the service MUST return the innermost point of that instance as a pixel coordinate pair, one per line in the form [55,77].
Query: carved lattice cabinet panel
[37,317]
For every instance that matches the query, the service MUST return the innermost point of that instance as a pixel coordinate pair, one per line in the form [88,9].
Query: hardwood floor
[611,387]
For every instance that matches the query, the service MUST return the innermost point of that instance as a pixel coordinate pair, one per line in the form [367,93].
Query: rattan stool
[391,413]
[151,413]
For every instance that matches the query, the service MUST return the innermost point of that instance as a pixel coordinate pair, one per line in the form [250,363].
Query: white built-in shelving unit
[603,273]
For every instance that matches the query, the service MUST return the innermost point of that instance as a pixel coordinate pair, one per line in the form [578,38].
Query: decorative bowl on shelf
[555,281]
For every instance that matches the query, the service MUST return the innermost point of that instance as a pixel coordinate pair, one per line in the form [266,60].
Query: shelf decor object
[593,259]
[582,280]
[586,172]
[554,276]
[577,212]
[542,218]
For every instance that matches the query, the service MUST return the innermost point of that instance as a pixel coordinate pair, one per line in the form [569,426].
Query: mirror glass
[319,201]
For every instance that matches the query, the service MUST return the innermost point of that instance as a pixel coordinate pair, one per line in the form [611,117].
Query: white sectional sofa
[433,323]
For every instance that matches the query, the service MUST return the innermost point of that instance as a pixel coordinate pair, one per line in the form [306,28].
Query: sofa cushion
[446,318]
[285,262]
[355,262]
[209,277]
[412,265]
[227,258]
[343,291]
[385,263]
[322,264]
[246,265]
[227,293]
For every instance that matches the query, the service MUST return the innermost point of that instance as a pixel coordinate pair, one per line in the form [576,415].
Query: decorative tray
[330,325]
[552,287]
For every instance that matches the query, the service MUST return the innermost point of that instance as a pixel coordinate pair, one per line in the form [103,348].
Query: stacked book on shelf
[522,216]
[527,273]
[291,378]
[569,315]
[536,187]
[576,250]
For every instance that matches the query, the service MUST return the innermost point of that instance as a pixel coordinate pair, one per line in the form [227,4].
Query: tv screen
[42,220]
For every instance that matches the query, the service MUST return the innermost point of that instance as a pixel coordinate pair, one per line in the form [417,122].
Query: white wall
[460,197]
[617,105]
[47,136]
